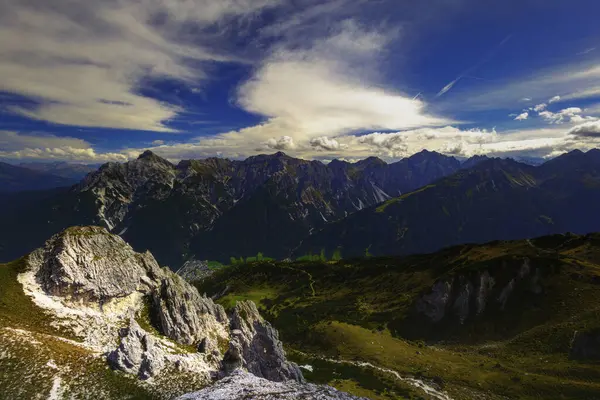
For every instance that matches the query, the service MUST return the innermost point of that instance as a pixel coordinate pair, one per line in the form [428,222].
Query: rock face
[104,292]
[462,297]
[255,346]
[185,316]
[241,386]
[91,264]
[138,353]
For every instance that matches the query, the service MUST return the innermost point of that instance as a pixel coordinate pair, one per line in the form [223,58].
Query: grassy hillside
[366,309]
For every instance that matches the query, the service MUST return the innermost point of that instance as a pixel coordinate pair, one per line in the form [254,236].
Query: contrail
[466,73]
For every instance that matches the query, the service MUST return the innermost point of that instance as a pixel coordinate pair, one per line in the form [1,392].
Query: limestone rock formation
[102,290]
[241,386]
[185,316]
[88,263]
[138,353]
[255,346]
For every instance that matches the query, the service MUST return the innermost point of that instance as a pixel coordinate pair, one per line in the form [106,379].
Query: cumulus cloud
[565,115]
[392,144]
[522,116]
[87,63]
[282,143]
[540,107]
[325,143]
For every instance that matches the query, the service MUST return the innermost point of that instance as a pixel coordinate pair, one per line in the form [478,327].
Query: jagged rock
[434,304]
[461,304]
[255,346]
[585,345]
[137,353]
[97,285]
[88,263]
[194,270]
[185,316]
[241,386]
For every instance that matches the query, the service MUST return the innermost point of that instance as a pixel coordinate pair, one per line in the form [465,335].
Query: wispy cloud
[85,63]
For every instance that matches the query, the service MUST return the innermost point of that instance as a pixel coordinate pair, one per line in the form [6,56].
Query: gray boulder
[255,346]
[137,353]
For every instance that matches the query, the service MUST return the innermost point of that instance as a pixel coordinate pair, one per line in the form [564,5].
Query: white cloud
[11,141]
[325,143]
[282,143]
[522,116]
[540,107]
[158,142]
[391,144]
[84,63]
[554,99]
[565,115]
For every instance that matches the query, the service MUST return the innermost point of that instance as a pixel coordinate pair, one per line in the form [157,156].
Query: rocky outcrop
[241,386]
[255,346]
[138,353]
[185,316]
[102,290]
[88,263]
[461,297]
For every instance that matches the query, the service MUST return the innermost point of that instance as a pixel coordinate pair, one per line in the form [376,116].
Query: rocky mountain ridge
[498,199]
[184,211]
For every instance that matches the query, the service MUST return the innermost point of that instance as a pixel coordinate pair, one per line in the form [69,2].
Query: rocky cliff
[147,321]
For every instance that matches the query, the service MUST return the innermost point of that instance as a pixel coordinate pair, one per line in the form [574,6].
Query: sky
[98,81]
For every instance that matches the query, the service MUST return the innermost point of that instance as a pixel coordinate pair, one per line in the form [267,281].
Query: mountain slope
[495,200]
[217,208]
[17,179]
[499,320]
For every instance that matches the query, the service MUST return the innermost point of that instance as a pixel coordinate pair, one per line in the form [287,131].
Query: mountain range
[216,208]
[497,199]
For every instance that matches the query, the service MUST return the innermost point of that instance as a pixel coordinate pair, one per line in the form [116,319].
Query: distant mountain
[76,172]
[216,208]
[495,200]
[17,179]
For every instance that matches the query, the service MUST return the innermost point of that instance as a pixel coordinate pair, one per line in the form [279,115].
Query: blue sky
[102,81]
